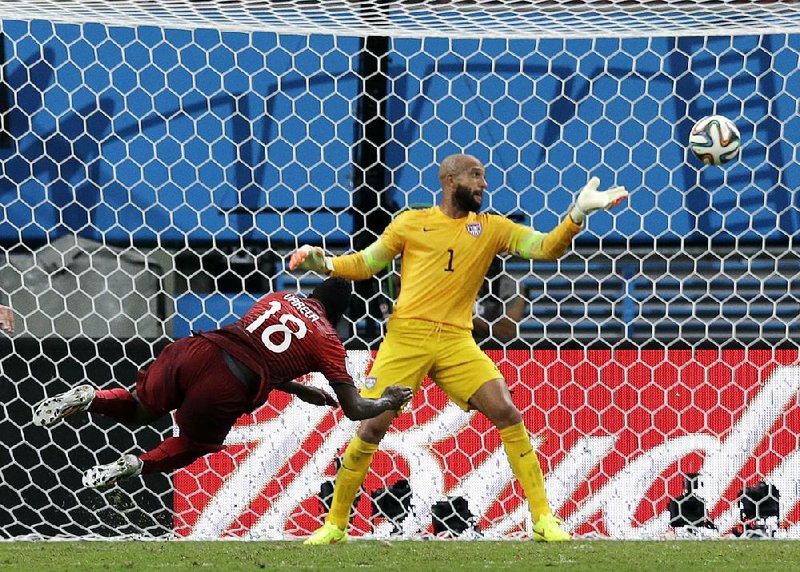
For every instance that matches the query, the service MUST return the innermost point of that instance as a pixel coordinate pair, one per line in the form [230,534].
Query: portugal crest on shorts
[474,228]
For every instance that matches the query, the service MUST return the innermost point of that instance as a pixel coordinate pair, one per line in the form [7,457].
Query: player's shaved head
[462,178]
[456,164]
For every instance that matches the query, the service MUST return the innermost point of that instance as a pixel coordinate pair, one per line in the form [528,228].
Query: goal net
[160,160]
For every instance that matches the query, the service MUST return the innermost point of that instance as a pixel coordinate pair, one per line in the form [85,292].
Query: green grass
[406,556]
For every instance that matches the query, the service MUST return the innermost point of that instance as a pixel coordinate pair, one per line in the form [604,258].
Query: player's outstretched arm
[358,266]
[308,393]
[6,319]
[358,408]
[533,245]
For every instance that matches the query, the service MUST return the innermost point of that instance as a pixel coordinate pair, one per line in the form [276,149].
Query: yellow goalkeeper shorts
[413,349]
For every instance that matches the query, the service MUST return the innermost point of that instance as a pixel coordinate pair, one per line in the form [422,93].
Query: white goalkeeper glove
[590,199]
[311,258]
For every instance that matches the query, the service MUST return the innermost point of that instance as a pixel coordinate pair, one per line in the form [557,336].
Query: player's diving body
[446,251]
[211,379]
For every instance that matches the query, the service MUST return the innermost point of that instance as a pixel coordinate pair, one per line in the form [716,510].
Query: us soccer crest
[474,228]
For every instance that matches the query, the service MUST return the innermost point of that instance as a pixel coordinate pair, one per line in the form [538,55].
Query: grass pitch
[407,556]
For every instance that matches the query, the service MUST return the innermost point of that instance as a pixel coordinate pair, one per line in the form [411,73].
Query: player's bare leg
[355,464]
[494,400]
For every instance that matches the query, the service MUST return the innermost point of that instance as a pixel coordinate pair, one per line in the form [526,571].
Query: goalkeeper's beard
[464,200]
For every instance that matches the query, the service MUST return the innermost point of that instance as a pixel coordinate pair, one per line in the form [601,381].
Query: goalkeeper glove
[590,199]
[311,258]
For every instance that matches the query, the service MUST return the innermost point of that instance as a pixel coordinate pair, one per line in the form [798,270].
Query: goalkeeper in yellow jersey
[447,250]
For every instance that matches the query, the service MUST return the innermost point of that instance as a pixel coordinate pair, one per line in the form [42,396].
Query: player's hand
[590,199]
[6,319]
[316,396]
[397,396]
[311,258]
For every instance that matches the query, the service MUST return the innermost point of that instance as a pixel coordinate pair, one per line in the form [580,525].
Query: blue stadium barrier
[206,312]
[196,127]
[191,139]
[552,129]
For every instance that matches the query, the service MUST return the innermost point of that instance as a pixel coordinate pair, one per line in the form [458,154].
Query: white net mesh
[155,178]
[442,18]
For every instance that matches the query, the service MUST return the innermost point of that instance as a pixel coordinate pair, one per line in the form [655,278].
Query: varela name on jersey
[295,301]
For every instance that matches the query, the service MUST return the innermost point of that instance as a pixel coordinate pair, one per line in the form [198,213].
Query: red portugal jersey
[282,337]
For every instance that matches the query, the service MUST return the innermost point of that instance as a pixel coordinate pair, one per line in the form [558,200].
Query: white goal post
[159,160]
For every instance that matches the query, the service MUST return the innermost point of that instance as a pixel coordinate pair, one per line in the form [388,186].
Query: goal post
[160,159]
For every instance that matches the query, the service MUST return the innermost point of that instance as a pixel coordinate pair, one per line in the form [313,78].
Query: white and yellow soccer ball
[715,140]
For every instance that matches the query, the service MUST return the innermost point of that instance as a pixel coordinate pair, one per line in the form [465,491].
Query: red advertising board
[616,432]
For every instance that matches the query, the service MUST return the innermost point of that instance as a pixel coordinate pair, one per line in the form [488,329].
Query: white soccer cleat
[107,475]
[55,408]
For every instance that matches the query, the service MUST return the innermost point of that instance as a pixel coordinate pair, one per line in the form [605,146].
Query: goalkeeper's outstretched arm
[357,266]
[533,245]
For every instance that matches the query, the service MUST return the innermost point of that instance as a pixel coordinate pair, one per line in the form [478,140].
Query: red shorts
[191,378]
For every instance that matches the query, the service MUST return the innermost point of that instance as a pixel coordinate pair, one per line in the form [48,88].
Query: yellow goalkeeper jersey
[445,260]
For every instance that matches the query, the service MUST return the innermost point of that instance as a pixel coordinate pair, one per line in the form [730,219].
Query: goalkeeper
[447,250]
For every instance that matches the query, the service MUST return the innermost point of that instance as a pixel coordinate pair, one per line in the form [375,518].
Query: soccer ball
[715,140]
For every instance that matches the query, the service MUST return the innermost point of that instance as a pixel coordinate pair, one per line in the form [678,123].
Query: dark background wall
[40,469]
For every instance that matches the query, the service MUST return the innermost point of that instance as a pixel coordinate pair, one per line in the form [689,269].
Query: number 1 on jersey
[450,261]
